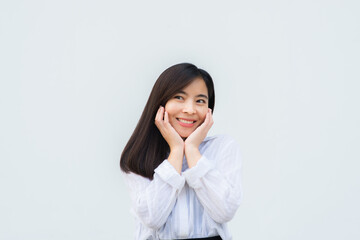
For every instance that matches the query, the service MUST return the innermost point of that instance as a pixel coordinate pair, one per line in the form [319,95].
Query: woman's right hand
[176,143]
[167,131]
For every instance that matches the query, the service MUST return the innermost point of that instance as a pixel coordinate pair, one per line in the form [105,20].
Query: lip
[186,124]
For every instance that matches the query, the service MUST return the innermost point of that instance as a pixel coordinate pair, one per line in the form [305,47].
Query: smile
[186,122]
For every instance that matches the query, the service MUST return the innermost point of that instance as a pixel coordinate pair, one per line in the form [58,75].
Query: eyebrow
[200,95]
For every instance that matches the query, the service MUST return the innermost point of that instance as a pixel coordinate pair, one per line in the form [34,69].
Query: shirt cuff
[194,174]
[168,174]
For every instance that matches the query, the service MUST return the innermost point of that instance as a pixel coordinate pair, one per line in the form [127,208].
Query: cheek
[170,108]
[202,114]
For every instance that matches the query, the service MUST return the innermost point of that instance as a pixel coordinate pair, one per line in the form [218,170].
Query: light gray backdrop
[75,76]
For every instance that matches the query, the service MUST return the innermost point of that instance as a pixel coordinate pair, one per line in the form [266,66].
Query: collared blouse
[196,204]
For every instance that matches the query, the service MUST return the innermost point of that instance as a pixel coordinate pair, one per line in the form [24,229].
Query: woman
[183,185]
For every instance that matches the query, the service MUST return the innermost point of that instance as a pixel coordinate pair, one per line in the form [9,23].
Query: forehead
[196,86]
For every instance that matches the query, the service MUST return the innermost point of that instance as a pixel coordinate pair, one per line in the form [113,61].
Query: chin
[185,134]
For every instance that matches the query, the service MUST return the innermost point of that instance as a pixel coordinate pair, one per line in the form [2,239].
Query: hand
[174,140]
[192,143]
[196,137]
[167,131]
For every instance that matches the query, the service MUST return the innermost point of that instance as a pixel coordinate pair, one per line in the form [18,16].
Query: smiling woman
[188,108]
[183,184]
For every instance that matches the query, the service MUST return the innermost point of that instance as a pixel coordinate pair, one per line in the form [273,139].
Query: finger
[159,116]
[161,113]
[205,122]
[166,117]
[207,119]
[211,116]
[167,123]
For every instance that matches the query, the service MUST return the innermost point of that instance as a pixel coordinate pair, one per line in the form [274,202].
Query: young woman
[183,185]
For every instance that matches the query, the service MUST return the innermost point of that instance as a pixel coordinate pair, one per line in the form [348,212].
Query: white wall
[75,76]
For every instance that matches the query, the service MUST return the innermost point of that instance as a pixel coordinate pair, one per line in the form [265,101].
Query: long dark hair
[146,148]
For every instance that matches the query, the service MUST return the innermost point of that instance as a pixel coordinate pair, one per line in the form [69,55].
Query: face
[187,109]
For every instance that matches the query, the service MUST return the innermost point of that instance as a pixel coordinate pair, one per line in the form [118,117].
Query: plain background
[75,76]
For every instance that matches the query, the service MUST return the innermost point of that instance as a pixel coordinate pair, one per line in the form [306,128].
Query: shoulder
[220,143]
[134,179]
[222,150]
[220,139]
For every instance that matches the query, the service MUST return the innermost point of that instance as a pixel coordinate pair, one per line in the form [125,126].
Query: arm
[218,186]
[153,201]
[176,144]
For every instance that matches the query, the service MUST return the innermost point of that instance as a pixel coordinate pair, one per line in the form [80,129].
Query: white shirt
[195,204]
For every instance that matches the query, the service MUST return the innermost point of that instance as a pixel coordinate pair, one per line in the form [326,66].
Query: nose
[189,108]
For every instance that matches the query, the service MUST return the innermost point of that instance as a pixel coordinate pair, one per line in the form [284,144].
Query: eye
[179,97]
[201,101]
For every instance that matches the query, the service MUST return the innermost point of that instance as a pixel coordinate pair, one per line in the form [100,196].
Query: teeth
[185,121]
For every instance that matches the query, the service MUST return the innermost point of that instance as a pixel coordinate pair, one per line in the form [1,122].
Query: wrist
[177,150]
[175,158]
[192,156]
[191,148]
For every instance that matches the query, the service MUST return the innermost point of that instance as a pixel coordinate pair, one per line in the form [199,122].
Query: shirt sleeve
[153,200]
[217,183]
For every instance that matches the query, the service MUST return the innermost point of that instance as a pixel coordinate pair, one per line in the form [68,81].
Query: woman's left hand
[195,138]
